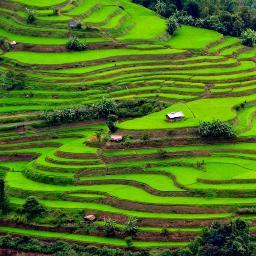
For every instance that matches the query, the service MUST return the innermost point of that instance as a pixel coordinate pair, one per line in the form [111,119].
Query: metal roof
[173,115]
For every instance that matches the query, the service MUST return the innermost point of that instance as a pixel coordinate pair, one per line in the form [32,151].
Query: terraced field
[204,76]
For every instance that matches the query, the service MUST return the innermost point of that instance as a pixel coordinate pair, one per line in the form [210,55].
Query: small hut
[175,116]
[90,218]
[116,138]
[12,43]
[73,24]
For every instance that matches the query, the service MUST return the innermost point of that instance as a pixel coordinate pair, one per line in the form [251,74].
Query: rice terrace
[121,127]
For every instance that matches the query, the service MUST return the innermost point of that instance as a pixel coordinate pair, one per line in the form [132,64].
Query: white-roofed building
[175,116]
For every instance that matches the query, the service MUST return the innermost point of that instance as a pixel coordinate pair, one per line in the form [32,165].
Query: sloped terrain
[196,71]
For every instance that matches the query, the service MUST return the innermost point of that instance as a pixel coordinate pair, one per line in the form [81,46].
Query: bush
[145,137]
[248,37]
[110,227]
[216,129]
[172,25]
[5,45]
[75,45]
[99,110]
[55,11]
[4,203]
[13,81]
[31,16]
[131,227]
[162,154]
[32,208]
[111,126]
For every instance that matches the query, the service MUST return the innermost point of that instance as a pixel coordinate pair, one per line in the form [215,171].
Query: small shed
[175,116]
[116,138]
[90,218]
[73,24]
[12,43]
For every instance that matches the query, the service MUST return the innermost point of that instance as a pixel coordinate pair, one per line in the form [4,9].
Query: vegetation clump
[32,208]
[227,17]
[172,25]
[31,16]
[216,129]
[13,81]
[249,37]
[76,45]
[98,110]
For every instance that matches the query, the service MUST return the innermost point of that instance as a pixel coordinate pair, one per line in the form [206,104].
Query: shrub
[31,16]
[145,137]
[4,204]
[129,242]
[5,45]
[55,11]
[111,126]
[110,227]
[75,45]
[13,81]
[162,154]
[105,108]
[165,232]
[131,227]
[99,110]
[32,208]
[172,25]
[216,129]
[248,37]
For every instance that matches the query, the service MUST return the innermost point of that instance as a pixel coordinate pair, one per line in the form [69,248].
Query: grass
[158,182]
[187,37]
[67,57]
[197,71]
[40,3]
[131,213]
[86,238]
[195,111]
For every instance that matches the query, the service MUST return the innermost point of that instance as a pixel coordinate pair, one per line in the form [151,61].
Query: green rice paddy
[200,72]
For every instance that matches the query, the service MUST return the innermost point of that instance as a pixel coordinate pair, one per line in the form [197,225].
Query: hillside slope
[164,175]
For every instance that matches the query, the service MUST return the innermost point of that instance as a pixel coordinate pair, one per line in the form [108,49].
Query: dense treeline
[102,110]
[229,17]
[232,239]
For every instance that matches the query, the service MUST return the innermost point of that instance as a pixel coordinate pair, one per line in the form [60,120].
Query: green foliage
[172,25]
[193,9]
[228,17]
[31,16]
[141,107]
[99,110]
[219,240]
[4,44]
[222,239]
[32,208]
[4,204]
[111,126]
[160,7]
[249,37]
[110,227]
[216,129]
[162,154]
[105,108]
[13,81]
[146,137]
[129,242]
[49,179]
[55,11]
[131,227]
[165,232]
[75,45]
